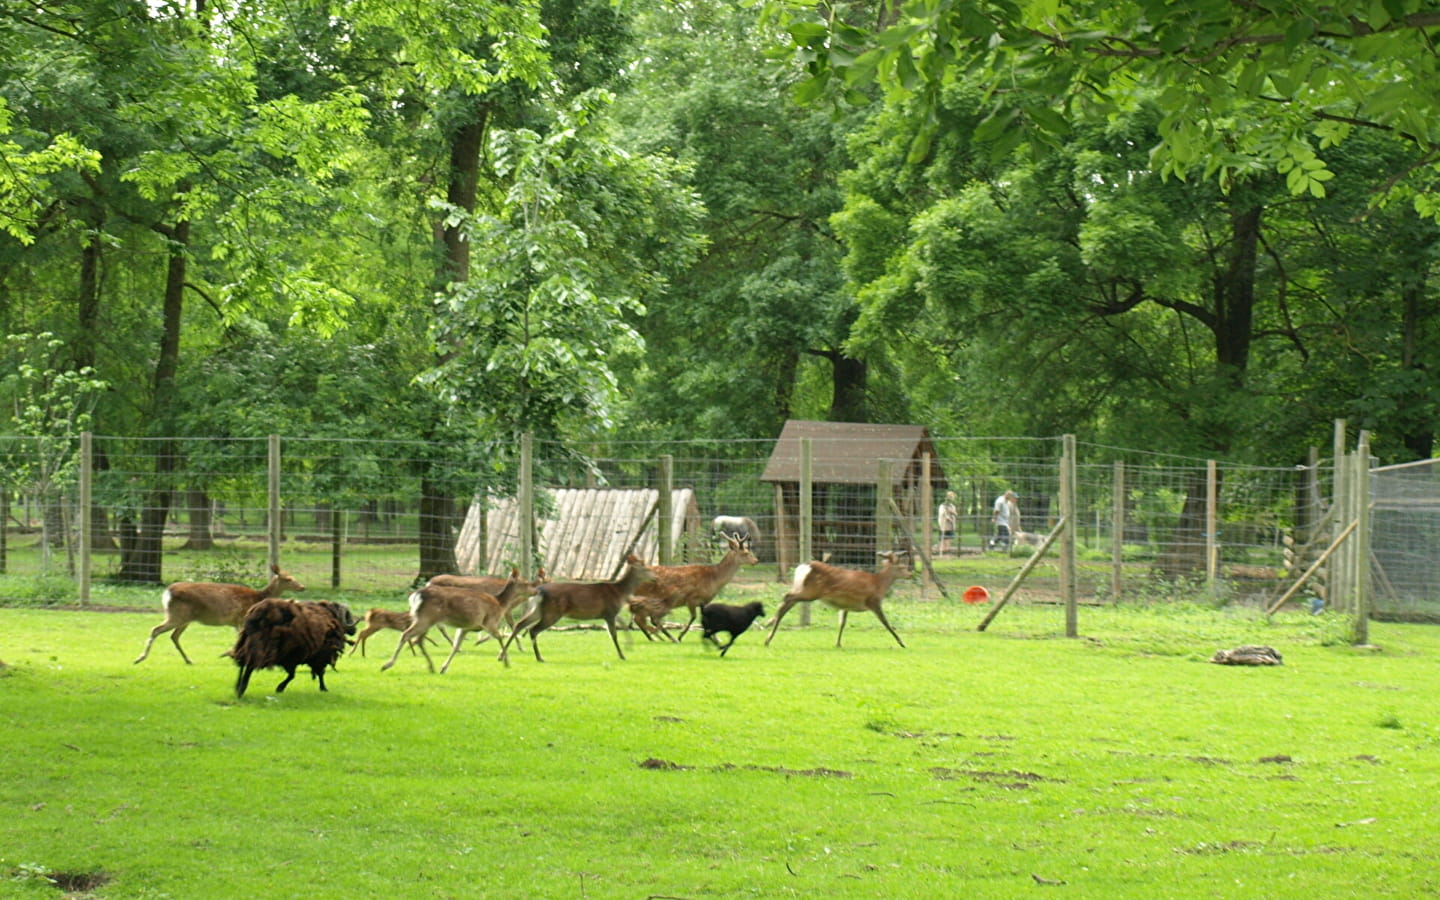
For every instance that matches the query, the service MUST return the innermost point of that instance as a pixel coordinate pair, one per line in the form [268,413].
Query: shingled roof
[848,452]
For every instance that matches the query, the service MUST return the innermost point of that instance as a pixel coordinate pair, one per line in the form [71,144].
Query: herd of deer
[478,603]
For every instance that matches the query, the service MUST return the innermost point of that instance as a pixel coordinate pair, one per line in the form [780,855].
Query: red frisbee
[976,594]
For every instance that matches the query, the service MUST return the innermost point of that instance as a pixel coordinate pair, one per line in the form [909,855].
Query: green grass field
[1010,763]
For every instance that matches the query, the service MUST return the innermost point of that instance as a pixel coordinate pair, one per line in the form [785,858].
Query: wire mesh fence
[371,518]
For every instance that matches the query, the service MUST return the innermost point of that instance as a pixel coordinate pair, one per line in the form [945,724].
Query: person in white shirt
[1006,515]
[948,518]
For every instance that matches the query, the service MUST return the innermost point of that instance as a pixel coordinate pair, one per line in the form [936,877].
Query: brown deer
[378,619]
[212,603]
[584,601]
[463,609]
[493,585]
[670,587]
[845,589]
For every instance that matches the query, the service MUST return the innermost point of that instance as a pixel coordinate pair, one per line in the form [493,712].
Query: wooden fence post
[87,475]
[525,505]
[1067,537]
[807,514]
[1117,531]
[273,470]
[664,513]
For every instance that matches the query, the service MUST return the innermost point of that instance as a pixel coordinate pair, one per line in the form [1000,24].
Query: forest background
[1188,227]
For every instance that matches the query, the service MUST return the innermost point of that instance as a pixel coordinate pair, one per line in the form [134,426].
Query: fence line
[356,511]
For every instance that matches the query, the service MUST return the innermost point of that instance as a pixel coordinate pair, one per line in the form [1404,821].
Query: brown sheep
[289,634]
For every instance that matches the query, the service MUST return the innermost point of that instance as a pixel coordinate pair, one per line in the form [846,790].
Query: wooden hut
[585,537]
[847,461]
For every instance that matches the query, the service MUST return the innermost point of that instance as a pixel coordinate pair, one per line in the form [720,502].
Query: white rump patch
[801,572]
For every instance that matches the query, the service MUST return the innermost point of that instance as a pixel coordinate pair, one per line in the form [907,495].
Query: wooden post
[337,541]
[1364,599]
[807,513]
[273,468]
[525,505]
[884,487]
[1067,537]
[1314,567]
[87,492]
[927,521]
[1024,571]
[1117,531]
[782,534]
[1212,520]
[1338,581]
[664,513]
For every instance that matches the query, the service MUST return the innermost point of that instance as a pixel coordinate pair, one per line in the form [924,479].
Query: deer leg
[843,615]
[154,633]
[530,620]
[175,639]
[886,622]
[361,638]
[686,629]
[459,639]
[406,636]
[614,636]
[785,604]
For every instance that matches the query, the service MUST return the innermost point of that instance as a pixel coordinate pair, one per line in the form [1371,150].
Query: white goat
[845,589]
[212,603]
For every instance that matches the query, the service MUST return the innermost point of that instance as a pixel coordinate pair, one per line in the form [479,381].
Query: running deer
[584,601]
[464,609]
[845,589]
[670,587]
[212,603]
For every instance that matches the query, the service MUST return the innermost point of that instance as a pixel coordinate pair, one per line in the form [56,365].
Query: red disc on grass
[976,594]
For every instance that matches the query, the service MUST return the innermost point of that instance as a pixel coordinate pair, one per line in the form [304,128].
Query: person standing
[947,518]
[1006,514]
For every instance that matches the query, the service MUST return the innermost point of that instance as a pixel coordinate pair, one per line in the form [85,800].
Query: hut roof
[847,452]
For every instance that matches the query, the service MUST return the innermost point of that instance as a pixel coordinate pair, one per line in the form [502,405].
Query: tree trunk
[437,510]
[1419,434]
[197,506]
[140,563]
[437,546]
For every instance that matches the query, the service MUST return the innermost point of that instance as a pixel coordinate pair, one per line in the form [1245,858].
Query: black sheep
[289,634]
[733,620]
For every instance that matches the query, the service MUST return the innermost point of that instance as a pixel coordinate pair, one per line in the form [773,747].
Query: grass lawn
[1009,763]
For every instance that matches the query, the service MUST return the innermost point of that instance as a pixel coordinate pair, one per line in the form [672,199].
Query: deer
[378,619]
[669,587]
[584,601]
[491,584]
[464,609]
[212,603]
[845,589]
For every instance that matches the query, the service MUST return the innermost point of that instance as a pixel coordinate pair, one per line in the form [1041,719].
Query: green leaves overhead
[1241,86]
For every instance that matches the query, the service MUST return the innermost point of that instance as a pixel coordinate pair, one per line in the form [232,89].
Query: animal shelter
[865,488]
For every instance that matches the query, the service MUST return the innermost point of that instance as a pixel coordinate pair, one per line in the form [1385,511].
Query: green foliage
[1264,88]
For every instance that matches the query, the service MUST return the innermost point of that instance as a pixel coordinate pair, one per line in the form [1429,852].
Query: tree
[755,332]
[1243,89]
